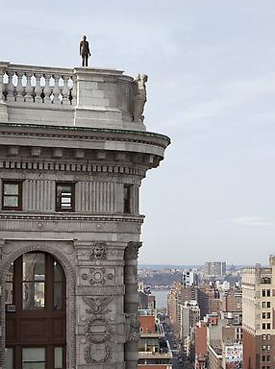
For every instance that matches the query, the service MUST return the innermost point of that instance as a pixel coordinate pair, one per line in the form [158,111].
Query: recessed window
[127,198]
[65,196]
[11,195]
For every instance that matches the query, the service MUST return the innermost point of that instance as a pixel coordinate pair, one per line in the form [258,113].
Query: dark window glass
[58,286]
[127,198]
[12,195]
[33,281]
[65,196]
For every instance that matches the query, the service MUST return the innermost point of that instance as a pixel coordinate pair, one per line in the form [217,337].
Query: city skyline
[211,89]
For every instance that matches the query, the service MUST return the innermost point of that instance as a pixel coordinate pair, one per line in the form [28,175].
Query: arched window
[35,313]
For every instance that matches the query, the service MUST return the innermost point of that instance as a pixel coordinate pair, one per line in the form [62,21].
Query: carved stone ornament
[98,276]
[97,305]
[99,251]
[90,352]
[131,251]
[132,327]
[140,97]
[97,330]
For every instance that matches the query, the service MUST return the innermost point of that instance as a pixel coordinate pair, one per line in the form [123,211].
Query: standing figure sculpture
[84,51]
[140,97]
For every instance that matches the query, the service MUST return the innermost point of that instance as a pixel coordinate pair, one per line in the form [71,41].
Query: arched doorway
[35,313]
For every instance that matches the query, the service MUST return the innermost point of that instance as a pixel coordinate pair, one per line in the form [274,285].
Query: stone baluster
[131,304]
[65,91]
[56,89]
[47,89]
[3,105]
[10,87]
[72,94]
[38,88]
[20,87]
[28,90]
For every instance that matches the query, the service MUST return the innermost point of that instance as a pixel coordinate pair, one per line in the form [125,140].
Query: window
[33,358]
[268,293]
[268,336]
[127,198]
[33,281]
[268,347]
[263,326]
[65,196]
[267,325]
[268,304]
[263,304]
[12,195]
[263,293]
[263,316]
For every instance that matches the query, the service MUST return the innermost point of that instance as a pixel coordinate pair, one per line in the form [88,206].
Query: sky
[211,89]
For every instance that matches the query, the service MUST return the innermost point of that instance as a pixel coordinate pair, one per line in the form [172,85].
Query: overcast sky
[211,88]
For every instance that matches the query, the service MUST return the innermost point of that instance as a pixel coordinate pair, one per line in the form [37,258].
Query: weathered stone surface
[88,139]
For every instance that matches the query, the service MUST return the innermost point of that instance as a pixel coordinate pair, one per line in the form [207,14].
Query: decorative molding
[97,305]
[132,327]
[88,218]
[99,251]
[71,167]
[30,130]
[97,329]
[131,251]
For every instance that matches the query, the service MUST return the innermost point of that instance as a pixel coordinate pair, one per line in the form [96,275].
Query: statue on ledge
[84,51]
[140,97]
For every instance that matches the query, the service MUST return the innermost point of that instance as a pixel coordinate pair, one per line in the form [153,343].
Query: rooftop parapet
[79,97]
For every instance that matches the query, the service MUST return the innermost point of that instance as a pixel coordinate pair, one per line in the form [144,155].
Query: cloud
[249,221]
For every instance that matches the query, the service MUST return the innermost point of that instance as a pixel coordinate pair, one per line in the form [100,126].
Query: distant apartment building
[201,352]
[190,278]
[190,316]
[208,299]
[259,316]
[215,269]
[153,349]
[173,302]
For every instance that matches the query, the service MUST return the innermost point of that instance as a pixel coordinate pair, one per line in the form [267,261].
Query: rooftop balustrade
[81,97]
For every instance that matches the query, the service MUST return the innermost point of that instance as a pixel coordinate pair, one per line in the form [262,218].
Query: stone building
[258,285]
[72,158]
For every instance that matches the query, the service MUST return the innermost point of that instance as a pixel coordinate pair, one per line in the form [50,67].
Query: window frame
[58,205]
[19,196]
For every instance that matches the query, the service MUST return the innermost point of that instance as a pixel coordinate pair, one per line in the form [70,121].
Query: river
[161,298]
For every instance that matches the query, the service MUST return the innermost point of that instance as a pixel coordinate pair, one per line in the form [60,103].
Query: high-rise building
[215,269]
[258,285]
[73,152]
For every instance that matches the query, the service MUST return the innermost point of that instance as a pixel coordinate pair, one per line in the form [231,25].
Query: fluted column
[131,304]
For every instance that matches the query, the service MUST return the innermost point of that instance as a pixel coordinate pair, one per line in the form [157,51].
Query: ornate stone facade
[80,133]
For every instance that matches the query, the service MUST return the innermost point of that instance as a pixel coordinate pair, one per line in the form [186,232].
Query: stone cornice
[64,166]
[84,133]
[70,217]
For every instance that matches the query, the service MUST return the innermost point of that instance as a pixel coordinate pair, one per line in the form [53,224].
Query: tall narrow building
[258,303]
[73,152]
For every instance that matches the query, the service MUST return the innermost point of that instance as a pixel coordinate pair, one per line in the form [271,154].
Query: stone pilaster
[131,304]
[99,305]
